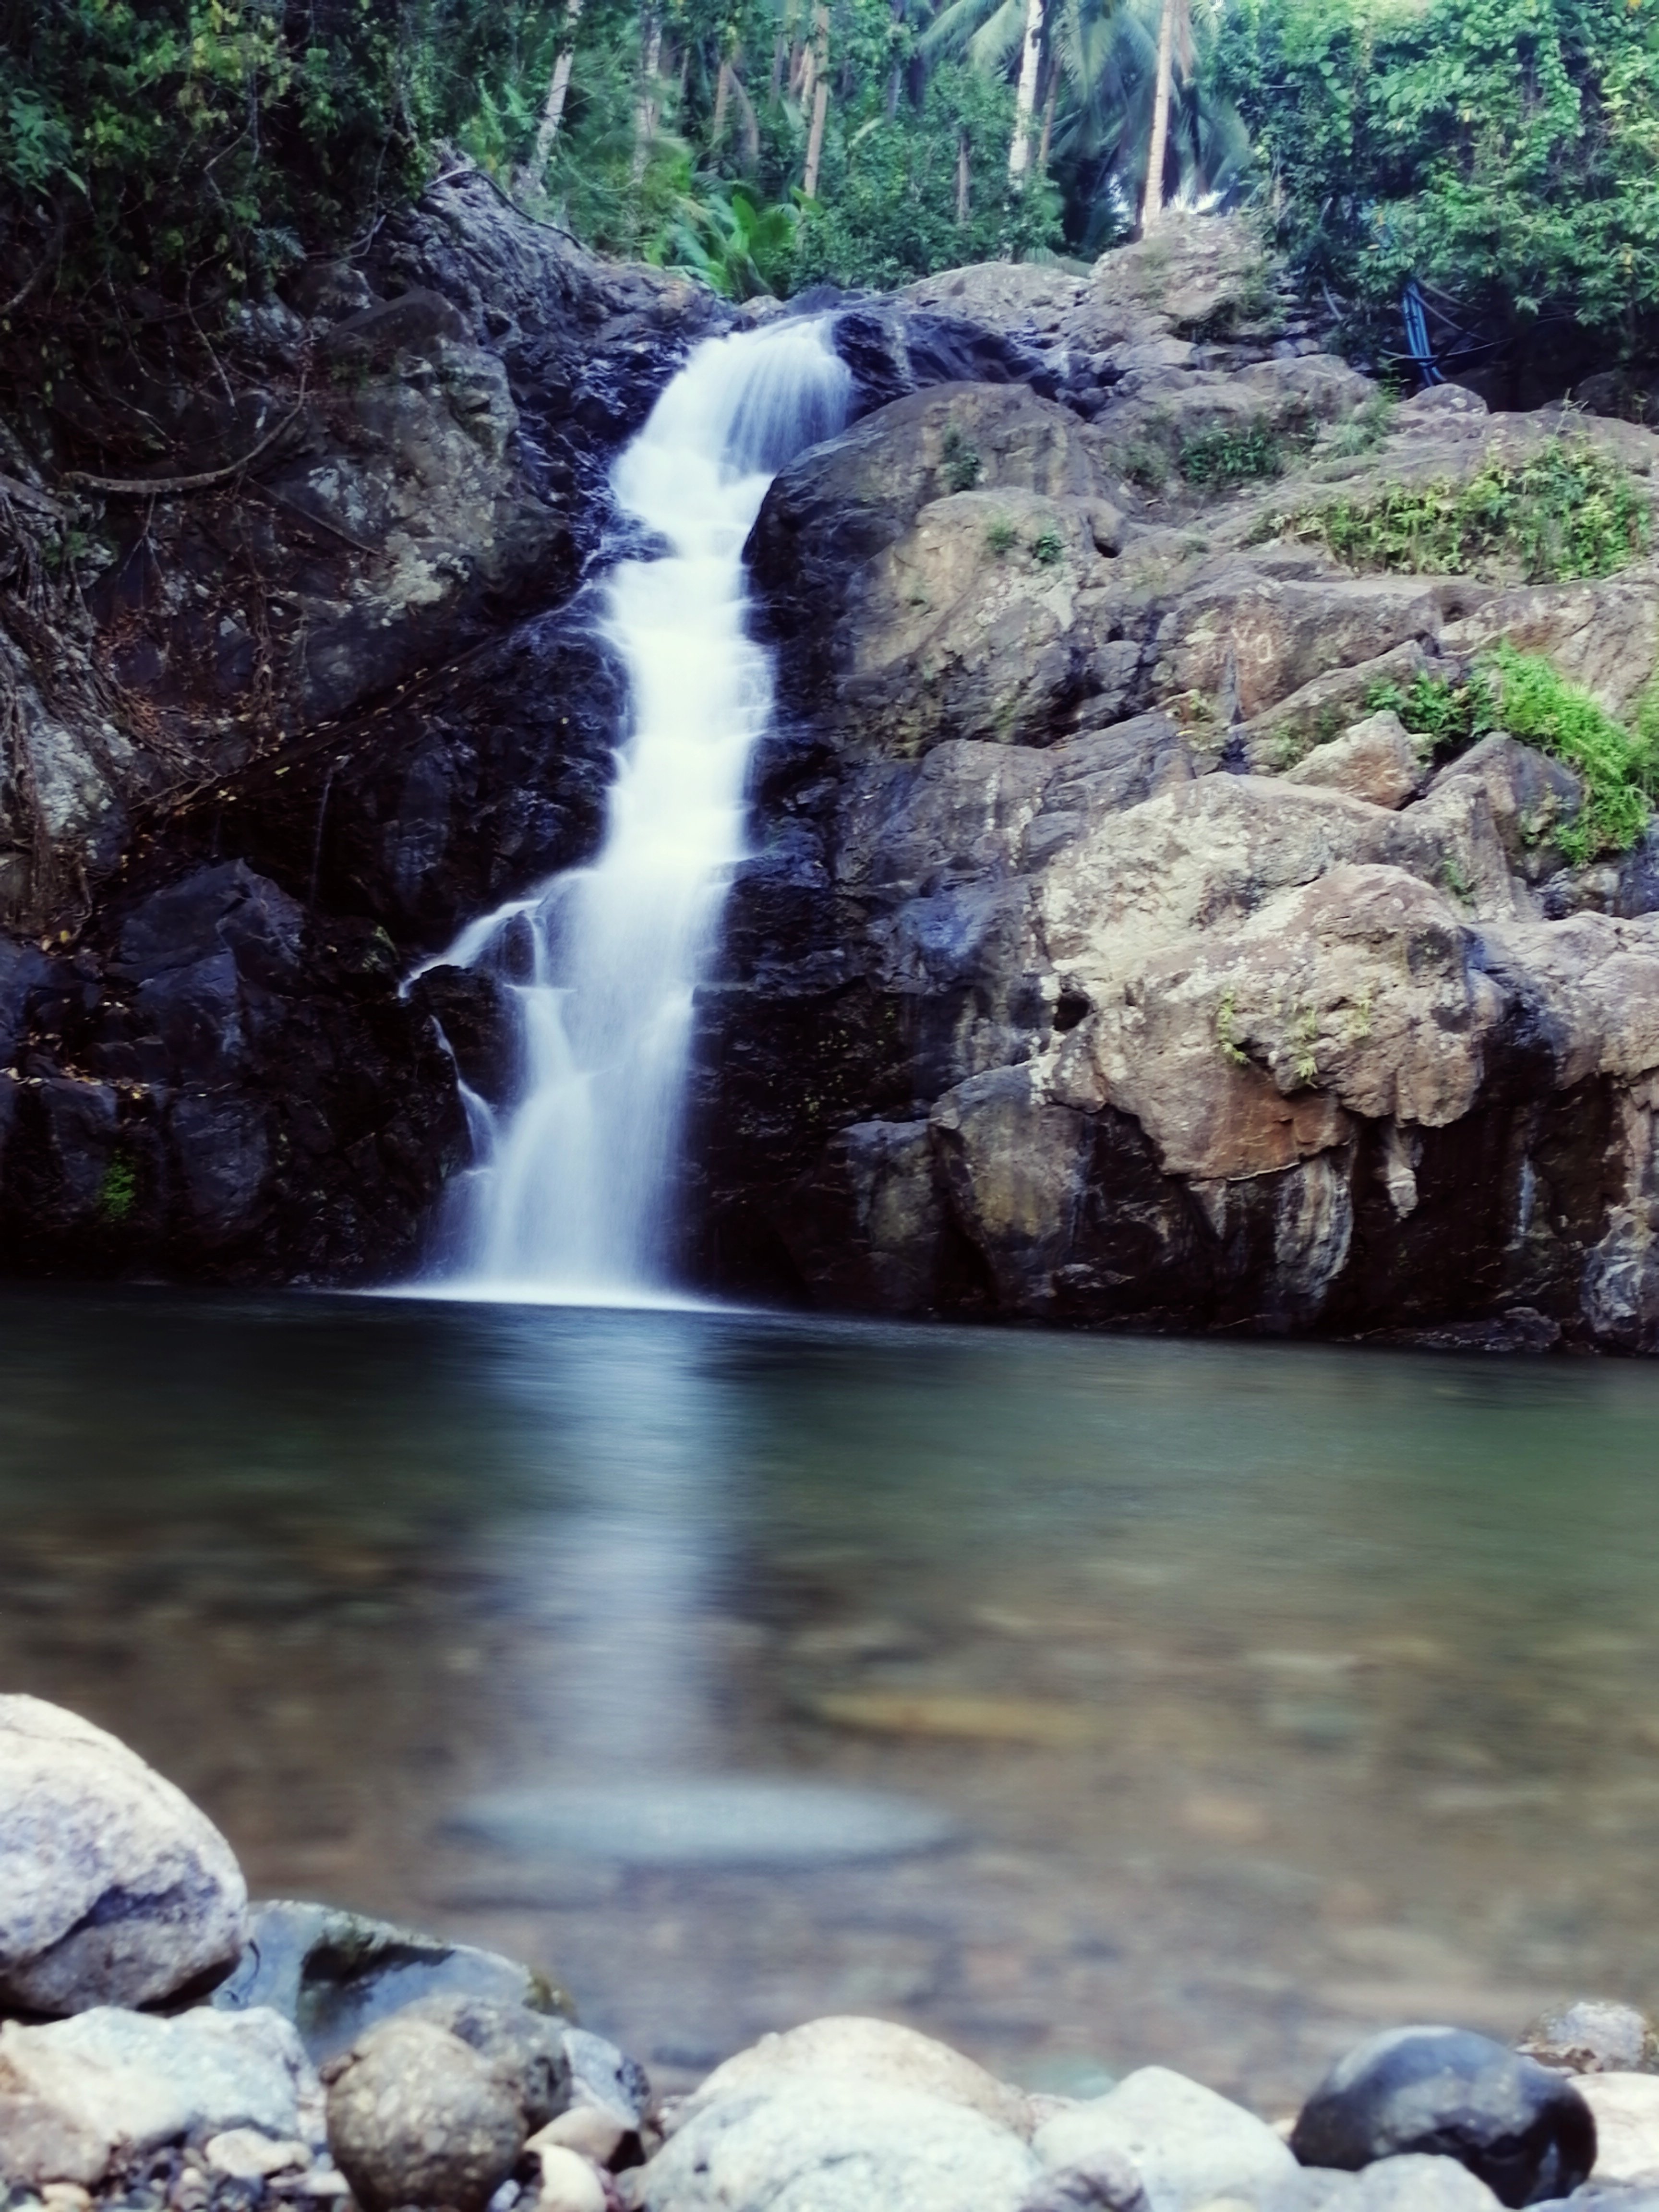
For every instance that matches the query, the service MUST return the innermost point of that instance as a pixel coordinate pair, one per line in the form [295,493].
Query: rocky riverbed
[166,2047]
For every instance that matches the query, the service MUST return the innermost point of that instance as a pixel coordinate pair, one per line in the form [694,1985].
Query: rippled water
[1084,1701]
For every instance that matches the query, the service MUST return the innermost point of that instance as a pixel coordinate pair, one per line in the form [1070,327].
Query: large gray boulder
[114,1889]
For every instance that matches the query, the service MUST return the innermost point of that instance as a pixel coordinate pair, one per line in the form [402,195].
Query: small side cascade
[571,1191]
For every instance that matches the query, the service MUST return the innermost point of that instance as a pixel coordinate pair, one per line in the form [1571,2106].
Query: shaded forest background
[181,154]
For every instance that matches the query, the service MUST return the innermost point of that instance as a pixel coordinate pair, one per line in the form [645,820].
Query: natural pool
[1242,1696]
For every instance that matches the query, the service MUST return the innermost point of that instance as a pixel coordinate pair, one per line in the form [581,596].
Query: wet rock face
[1521,2129]
[226,1087]
[1107,957]
[337,1974]
[113,1889]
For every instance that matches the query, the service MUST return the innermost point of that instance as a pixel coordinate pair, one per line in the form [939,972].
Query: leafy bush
[208,142]
[1450,716]
[1567,512]
[1502,151]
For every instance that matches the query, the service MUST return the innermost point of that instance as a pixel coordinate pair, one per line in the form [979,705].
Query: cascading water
[571,1192]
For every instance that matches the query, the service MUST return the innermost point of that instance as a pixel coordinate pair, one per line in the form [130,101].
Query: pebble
[1187,2144]
[1524,2132]
[597,2134]
[416,2117]
[570,2183]
[246,2154]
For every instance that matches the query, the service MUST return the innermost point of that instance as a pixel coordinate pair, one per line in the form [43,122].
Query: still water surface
[1083,1701]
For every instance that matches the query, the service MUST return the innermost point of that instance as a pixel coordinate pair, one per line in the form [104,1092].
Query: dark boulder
[1523,2130]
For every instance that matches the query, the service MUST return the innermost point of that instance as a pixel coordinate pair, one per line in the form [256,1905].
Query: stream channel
[1084,1701]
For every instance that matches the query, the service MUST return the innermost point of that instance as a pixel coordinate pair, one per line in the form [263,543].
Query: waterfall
[571,1192]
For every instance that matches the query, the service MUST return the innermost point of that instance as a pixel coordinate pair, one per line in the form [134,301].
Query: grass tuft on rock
[1232,453]
[1567,512]
[1526,696]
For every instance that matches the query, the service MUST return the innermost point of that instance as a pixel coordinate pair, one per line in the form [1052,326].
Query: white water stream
[571,1194]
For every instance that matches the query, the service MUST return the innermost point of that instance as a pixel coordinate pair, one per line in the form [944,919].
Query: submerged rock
[114,1889]
[1519,2128]
[335,1974]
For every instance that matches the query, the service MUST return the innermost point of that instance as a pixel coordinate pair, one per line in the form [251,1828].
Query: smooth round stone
[1524,2132]
[735,1821]
[418,2117]
[1593,2036]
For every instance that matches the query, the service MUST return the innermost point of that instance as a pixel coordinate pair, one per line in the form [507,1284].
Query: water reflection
[1235,1697]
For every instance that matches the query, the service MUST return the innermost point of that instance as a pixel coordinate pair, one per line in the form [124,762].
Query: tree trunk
[535,173]
[1047,139]
[820,100]
[722,94]
[647,108]
[962,180]
[1152,206]
[1020,150]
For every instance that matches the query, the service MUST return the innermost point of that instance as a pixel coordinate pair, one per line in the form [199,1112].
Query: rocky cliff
[1107,959]
[1107,956]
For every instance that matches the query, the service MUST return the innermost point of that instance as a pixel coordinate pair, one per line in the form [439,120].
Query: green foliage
[118,1193]
[1524,694]
[962,465]
[1047,549]
[204,143]
[1000,538]
[738,248]
[886,209]
[1448,713]
[1232,453]
[1619,767]
[1501,149]
[1566,511]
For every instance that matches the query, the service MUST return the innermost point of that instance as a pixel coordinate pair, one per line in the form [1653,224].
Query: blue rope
[1418,351]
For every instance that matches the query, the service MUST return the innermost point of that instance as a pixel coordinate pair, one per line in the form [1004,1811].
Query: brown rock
[1376,760]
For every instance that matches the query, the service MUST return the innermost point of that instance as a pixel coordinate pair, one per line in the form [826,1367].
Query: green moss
[1001,538]
[1568,511]
[1047,549]
[120,1191]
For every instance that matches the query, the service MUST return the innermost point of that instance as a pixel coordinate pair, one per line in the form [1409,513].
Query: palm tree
[1020,150]
[1175,37]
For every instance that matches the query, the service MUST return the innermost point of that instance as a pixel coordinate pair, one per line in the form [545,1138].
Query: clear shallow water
[1214,1703]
